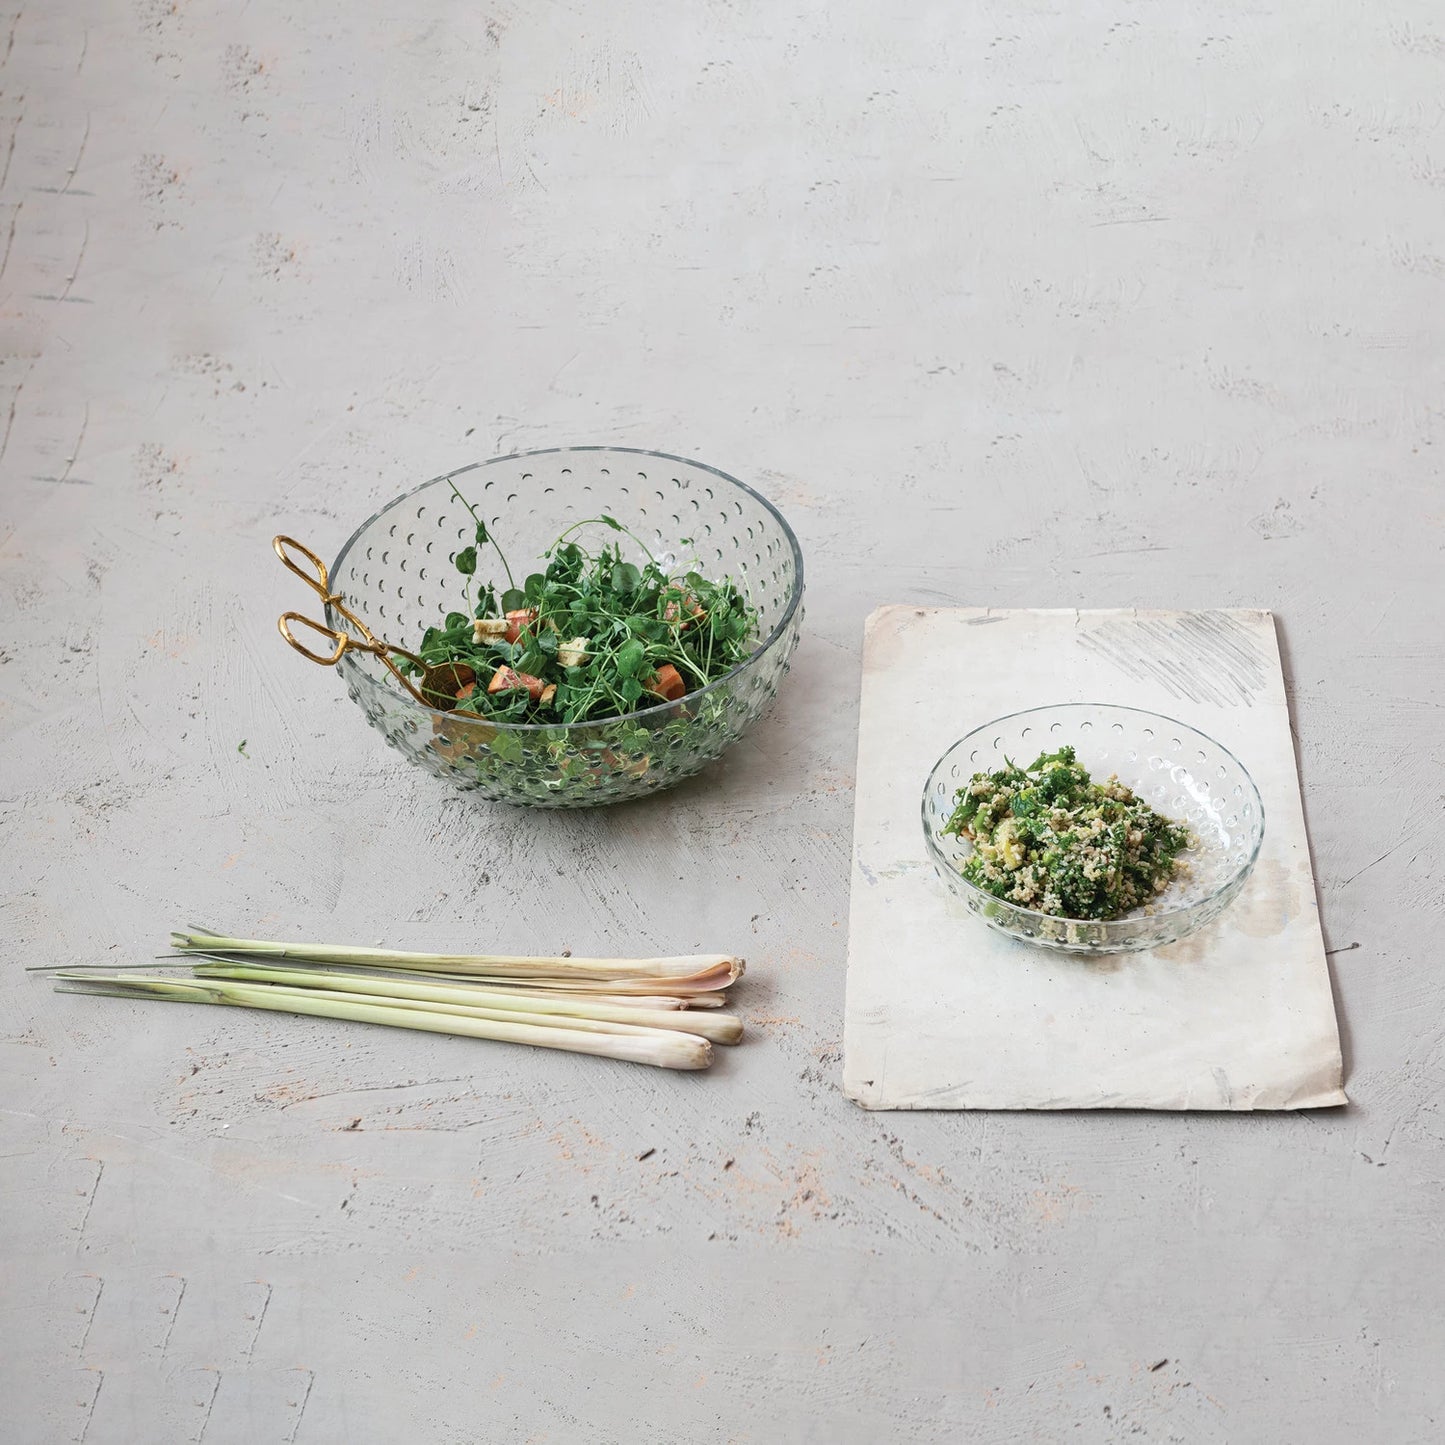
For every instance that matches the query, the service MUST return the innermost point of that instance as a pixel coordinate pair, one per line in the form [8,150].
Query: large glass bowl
[1177,770]
[398,573]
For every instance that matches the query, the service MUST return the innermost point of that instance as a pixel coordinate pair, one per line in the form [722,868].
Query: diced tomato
[633,767]
[516,621]
[689,604]
[667,683]
[504,679]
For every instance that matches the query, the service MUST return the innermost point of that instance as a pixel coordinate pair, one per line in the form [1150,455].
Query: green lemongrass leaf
[149,966]
[659,1047]
[157,986]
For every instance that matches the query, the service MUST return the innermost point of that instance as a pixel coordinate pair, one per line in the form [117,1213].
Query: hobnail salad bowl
[398,573]
[1179,771]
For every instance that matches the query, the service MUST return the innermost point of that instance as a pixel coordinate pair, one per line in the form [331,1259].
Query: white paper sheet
[945,1013]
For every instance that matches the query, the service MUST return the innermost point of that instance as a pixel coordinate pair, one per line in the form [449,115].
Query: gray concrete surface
[1024,304]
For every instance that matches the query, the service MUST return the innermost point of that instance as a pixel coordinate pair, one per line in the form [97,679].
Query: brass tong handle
[317,579]
[340,640]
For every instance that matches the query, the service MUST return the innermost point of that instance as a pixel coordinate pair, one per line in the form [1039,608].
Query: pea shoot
[590,636]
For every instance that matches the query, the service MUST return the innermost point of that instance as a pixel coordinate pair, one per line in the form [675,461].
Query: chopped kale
[1049,838]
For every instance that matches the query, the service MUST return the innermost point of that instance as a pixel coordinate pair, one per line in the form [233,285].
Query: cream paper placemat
[944,1013]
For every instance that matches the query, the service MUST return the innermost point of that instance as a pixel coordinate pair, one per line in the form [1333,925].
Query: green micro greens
[591,636]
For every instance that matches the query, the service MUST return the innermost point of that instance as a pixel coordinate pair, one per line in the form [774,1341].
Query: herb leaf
[630,657]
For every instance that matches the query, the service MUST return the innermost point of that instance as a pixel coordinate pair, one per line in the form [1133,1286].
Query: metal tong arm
[317,578]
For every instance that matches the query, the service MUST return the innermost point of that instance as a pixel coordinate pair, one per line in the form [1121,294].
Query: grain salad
[1049,838]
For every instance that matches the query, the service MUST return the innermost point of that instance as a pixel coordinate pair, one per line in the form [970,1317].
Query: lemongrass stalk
[499,965]
[561,1021]
[637,992]
[582,1023]
[684,993]
[687,990]
[707,986]
[719,1028]
[682,988]
[640,992]
[461,1010]
[658,1047]
[536,990]
[652,1003]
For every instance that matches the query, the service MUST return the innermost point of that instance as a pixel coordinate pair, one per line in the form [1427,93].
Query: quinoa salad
[1049,838]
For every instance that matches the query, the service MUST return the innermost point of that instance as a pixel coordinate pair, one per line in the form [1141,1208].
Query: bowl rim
[1133,917]
[794,599]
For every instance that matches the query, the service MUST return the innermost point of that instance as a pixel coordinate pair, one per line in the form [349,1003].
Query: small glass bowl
[1176,769]
[398,573]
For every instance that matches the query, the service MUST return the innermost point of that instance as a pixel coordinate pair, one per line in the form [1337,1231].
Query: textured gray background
[1026,304]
